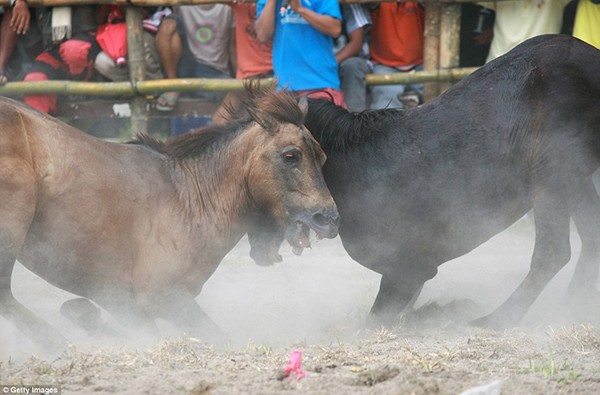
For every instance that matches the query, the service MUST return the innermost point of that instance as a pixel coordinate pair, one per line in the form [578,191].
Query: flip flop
[166,101]
[3,79]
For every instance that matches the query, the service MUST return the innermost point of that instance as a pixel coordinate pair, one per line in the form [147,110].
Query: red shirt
[397,34]
[253,58]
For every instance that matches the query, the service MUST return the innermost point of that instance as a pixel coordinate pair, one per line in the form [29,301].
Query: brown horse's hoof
[83,313]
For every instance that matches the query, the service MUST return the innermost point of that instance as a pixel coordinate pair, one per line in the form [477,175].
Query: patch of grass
[374,376]
[259,349]
[428,365]
[562,373]
[582,338]
[383,335]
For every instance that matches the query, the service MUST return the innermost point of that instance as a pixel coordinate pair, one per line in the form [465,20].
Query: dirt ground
[318,304]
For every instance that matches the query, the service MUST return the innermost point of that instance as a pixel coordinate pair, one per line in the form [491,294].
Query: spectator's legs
[417,89]
[169,48]
[352,76]
[151,58]
[109,69]
[8,41]
[386,96]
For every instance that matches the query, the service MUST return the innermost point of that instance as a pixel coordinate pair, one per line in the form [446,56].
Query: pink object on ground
[294,365]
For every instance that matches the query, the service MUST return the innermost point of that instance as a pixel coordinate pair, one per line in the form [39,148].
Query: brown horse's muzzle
[324,222]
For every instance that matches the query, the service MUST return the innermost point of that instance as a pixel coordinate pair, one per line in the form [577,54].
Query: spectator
[352,57]
[197,42]
[397,45]
[517,21]
[15,22]
[302,34]
[587,22]
[69,37]
[107,67]
[476,29]
[254,58]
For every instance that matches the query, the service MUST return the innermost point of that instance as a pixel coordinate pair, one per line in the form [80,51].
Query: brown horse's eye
[292,156]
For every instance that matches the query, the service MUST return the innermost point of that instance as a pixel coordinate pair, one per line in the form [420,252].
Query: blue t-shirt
[303,56]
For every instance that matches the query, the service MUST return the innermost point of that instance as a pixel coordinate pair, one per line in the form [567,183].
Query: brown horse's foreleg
[36,329]
[181,309]
[123,306]
[17,208]
[586,215]
[551,252]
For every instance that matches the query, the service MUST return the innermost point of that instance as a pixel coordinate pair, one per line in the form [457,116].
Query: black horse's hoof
[491,321]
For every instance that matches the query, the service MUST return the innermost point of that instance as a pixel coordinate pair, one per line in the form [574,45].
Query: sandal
[3,78]
[166,101]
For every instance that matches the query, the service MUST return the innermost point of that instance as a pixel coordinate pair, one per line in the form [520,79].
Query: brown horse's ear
[303,104]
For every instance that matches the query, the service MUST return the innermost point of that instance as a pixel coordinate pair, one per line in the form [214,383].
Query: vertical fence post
[431,44]
[449,53]
[137,67]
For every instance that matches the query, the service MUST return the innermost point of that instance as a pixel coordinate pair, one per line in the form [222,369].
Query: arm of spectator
[20,17]
[265,24]
[352,48]
[324,23]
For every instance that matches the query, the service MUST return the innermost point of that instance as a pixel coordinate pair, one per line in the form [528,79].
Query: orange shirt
[397,34]
[253,58]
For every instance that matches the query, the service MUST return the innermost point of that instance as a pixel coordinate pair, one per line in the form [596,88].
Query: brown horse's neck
[213,189]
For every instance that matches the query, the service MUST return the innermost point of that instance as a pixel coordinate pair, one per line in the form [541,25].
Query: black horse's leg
[397,290]
[35,328]
[586,215]
[551,252]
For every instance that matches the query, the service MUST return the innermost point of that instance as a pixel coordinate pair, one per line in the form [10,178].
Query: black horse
[417,188]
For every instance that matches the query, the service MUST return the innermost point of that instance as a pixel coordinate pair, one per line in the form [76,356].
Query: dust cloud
[322,296]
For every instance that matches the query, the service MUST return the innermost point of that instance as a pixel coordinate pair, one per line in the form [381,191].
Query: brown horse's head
[286,182]
[260,160]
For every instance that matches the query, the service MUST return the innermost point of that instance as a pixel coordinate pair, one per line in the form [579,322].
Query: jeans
[389,96]
[352,77]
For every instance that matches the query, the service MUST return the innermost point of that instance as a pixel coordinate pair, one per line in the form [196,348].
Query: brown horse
[139,228]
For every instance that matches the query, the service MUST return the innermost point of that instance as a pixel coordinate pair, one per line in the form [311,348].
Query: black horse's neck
[336,129]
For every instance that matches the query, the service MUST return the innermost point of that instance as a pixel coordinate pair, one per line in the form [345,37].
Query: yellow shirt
[517,21]
[587,23]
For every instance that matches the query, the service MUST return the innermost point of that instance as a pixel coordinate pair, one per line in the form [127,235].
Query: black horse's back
[416,188]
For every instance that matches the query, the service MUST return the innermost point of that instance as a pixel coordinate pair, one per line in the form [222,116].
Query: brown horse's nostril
[326,217]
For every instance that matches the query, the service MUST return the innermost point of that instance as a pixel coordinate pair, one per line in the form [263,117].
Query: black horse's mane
[264,106]
[336,129]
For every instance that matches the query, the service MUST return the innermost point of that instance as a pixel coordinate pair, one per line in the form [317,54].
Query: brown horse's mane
[267,107]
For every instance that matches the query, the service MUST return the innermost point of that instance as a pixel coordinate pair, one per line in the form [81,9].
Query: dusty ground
[317,303]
